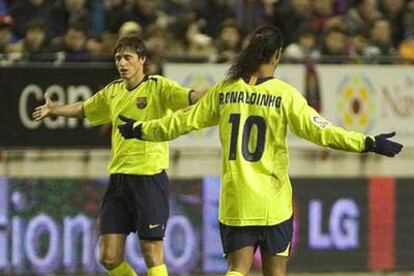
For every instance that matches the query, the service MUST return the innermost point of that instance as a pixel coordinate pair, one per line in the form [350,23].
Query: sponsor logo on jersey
[319,121]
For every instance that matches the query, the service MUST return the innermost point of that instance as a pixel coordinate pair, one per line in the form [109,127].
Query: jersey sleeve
[203,114]
[97,108]
[306,123]
[174,95]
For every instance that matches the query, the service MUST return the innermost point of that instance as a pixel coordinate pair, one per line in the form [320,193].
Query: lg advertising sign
[49,225]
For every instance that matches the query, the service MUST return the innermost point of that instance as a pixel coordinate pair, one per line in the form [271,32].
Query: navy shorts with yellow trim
[135,203]
[273,239]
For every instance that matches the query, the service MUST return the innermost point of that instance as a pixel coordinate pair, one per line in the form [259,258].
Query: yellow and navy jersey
[253,119]
[153,98]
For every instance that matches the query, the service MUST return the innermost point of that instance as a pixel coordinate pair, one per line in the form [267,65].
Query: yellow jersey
[253,121]
[153,98]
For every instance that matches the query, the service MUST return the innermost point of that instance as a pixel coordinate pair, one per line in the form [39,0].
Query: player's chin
[123,74]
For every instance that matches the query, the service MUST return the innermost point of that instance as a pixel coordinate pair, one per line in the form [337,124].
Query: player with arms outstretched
[137,197]
[254,111]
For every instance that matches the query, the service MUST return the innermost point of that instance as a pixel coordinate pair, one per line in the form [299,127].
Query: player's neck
[265,70]
[134,80]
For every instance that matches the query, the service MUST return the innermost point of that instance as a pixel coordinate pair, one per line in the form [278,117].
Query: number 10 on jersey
[251,155]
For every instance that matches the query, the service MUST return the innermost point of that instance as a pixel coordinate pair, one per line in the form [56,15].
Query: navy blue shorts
[136,203]
[273,239]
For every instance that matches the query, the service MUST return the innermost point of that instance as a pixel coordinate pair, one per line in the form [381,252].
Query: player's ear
[278,54]
[142,59]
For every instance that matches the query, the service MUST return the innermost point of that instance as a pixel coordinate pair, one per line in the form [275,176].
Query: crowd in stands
[200,30]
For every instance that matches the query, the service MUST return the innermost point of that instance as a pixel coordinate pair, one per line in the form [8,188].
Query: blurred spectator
[185,39]
[338,21]
[229,42]
[334,44]
[72,46]
[176,36]
[363,15]
[33,46]
[394,11]
[69,12]
[3,7]
[305,47]
[199,45]
[114,10]
[177,7]
[108,40]
[214,12]
[250,13]
[380,41]
[323,10]
[409,20]
[5,33]
[24,11]
[155,42]
[130,28]
[359,44]
[145,12]
[290,17]
[406,50]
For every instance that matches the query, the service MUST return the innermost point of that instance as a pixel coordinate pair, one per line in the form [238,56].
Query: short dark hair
[263,44]
[36,23]
[132,42]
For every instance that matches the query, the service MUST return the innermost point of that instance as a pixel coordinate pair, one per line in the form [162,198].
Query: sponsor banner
[331,225]
[370,98]
[202,76]
[213,261]
[22,89]
[50,226]
[404,252]
[366,98]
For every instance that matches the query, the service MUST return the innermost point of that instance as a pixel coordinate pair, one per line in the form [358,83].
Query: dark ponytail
[263,43]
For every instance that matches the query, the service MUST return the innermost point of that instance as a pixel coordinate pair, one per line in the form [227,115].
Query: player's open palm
[45,110]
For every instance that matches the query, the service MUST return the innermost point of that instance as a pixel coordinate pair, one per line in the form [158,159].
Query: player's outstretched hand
[127,130]
[382,145]
[45,110]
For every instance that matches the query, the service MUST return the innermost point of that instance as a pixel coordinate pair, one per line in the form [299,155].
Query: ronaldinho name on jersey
[250,98]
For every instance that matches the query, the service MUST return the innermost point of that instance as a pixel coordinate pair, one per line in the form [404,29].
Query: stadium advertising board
[367,98]
[371,98]
[22,89]
[49,225]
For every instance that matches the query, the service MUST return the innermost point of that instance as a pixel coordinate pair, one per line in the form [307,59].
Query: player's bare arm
[52,108]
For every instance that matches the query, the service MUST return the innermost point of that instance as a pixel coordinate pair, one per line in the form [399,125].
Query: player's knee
[152,254]
[109,262]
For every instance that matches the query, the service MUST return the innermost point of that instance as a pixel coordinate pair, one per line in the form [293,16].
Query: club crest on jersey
[141,102]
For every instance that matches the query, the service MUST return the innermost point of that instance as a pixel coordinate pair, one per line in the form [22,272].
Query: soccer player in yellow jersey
[254,111]
[137,197]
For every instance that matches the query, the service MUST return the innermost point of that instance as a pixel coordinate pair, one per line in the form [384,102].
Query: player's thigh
[150,204]
[241,259]
[112,247]
[273,265]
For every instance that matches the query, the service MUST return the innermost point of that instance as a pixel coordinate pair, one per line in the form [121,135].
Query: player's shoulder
[114,84]
[158,79]
[284,86]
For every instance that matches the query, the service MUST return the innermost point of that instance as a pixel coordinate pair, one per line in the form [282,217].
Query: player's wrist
[369,144]
[137,130]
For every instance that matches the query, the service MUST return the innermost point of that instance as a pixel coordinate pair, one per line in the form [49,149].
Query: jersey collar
[253,80]
[142,81]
